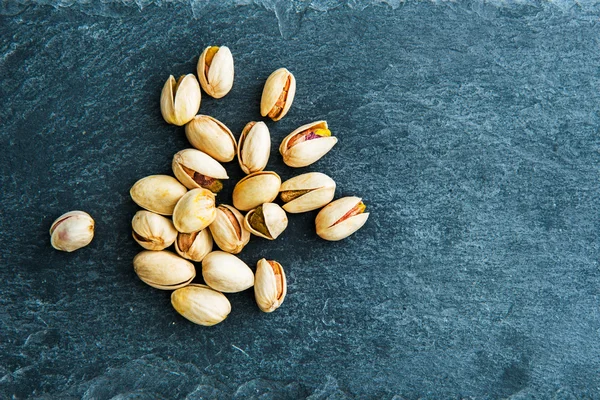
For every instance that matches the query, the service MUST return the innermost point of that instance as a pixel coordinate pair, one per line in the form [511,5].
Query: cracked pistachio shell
[163,270]
[195,211]
[254,147]
[194,246]
[278,94]
[256,189]
[270,224]
[72,231]
[328,222]
[228,229]
[180,100]
[215,70]
[307,192]
[306,152]
[157,193]
[226,273]
[192,167]
[153,231]
[201,304]
[270,286]
[211,136]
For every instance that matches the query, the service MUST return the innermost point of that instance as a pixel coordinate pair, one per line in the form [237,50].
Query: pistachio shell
[270,224]
[180,100]
[195,211]
[153,231]
[228,229]
[226,273]
[314,190]
[254,147]
[216,78]
[201,304]
[309,151]
[163,269]
[327,221]
[256,189]
[276,101]
[194,246]
[72,231]
[157,193]
[270,286]
[192,167]
[211,136]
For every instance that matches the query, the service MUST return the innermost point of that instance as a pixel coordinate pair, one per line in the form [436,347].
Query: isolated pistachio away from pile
[72,231]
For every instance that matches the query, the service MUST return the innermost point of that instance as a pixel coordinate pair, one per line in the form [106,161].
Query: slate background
[471,129]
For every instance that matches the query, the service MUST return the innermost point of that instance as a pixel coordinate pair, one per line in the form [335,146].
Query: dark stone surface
[471,129]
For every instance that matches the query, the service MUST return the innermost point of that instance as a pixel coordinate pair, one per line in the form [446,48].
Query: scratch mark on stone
[246,354]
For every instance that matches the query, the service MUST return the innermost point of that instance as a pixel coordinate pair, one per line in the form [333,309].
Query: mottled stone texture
[471,129]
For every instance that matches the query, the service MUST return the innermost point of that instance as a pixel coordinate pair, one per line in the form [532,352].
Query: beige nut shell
[254,147]
[157,193]
[195,211]
[72,231]
[332,212]
[308,152]
[226,273]
[198,161]
[225,234]
[211,136]
[201,304]
[267,294]
[219,79]
[322,191]
[200,247]
[163,269]
[179,103]
[272,90]
[256,189]
[276,221]
[153,231]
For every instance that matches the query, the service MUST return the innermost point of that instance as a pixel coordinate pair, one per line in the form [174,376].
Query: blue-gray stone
[470,128]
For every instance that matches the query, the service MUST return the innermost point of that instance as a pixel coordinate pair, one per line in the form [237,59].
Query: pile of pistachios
[189,197]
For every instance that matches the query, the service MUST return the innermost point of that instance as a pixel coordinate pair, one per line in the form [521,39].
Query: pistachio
[163,269]
[226,273]
[228,229]
[194,246]
[215,70]
[341,218]
[267,221]
[256,189]
[180,100]
[200,304]
[270,285]
[307,192]
[153,231]
[157,193]
[254,147]
[307,144]
[278,94]
[196,169]
[195,211]
[211,136]
[72,231]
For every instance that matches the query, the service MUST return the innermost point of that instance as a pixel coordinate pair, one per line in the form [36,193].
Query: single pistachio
[307,192]
[278,94]
[180,100]
[267,221]
[196,169]
[157,193]
[307,144]
[211,136]
[201,304]
[163,270]
[153,231]
[215,70]
[72,231]
[254,147]
[341,218]
[228,229]
[194,246]
[256,189]
[270,285]
[226,273]
[195,211]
